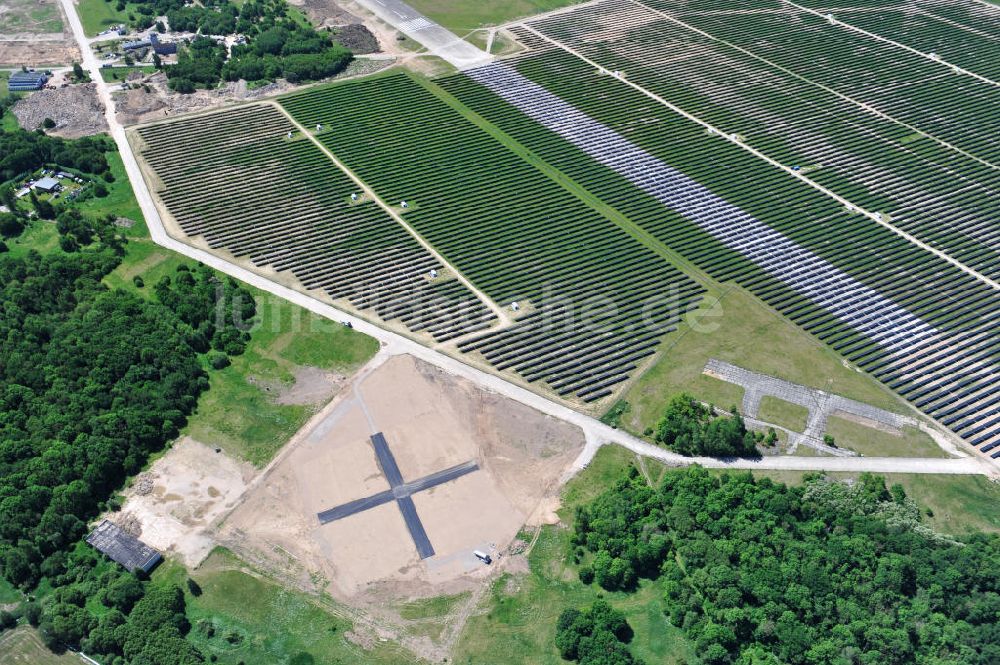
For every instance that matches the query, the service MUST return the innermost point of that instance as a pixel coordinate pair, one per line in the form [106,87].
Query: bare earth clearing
[432,421]
[33,33]
[172,506]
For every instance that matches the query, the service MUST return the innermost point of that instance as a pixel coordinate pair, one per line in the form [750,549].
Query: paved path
[439,41]
[596,433]
[820,405]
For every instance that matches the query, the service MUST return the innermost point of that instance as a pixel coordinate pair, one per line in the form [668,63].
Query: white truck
[483,556]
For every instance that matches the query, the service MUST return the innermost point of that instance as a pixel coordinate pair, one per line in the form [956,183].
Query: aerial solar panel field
[635,156]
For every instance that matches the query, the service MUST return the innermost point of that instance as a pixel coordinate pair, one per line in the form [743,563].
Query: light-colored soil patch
[172,506]
[432,421]
[311,386]
[37,52]
[325,13]
[34,33]
[76,110]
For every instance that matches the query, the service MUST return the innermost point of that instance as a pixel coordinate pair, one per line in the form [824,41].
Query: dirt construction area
[33,33]
[172,506]
[75,109]
[431,421]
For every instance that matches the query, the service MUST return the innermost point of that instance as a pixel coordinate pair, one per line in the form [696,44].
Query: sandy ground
[312,385]
[171,506]
[76,109]
[432,421]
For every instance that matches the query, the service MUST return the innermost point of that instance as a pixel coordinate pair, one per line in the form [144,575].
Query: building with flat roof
[108,538]
[161,48]
[48,185]
[26,81]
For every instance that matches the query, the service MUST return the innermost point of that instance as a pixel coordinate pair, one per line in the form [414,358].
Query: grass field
[461,17]
[241,416]
[9,121]
[779,412]
[873,442]
[741,330]
[519,625]
[30,16]
[98,15]
[120,200]
[8,594]
[112,74]
[243,618]
[22,646]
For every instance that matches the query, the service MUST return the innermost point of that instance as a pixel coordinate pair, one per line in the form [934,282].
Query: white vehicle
[484,557]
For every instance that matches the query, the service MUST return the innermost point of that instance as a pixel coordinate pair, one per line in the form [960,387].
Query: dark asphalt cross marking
[400,492]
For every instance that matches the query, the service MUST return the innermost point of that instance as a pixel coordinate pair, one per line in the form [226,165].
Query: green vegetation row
[943,296]
[962,33]
[927,95]
[238,180]
[874,163]
[597,301]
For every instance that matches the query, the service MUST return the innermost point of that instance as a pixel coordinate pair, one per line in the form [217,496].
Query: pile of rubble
[76,110]
[356,37]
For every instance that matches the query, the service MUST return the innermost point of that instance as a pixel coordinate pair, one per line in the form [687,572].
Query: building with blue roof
[26,81]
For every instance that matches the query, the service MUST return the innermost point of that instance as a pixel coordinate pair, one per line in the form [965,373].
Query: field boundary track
[770,63]
[595,431]
[880,38]
[875,217]
[499,311]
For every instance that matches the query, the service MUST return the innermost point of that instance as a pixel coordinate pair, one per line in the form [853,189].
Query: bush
[100,191]
[183,86]
[138,282]
[33,613]
[218,360]
[10,225]
[108,176]
[690,428]
[48,123]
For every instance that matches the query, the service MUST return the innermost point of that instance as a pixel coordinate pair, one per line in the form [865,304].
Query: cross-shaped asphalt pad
[401,492]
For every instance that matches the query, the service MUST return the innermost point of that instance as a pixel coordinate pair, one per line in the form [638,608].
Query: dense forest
[756,572]
[22,152]
[93,381]
[277,46]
